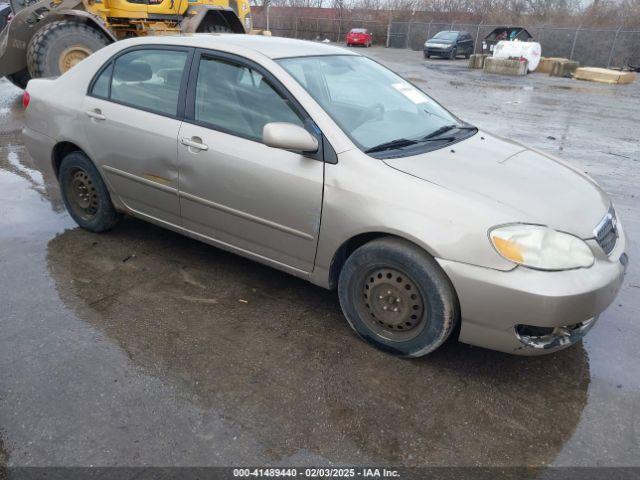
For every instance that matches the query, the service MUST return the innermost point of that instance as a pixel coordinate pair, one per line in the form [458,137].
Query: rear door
[133,113]
[233,188]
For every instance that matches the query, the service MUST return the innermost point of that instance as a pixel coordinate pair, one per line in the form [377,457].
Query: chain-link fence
[306,28]
[597,47]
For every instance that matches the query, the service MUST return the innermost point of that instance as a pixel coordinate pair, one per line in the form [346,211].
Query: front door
[233,188]
[132,126]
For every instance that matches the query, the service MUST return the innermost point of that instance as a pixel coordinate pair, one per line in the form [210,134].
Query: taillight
[26,98]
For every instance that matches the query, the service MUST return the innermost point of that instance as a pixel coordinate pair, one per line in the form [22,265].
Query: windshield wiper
[398,143]
[447,128]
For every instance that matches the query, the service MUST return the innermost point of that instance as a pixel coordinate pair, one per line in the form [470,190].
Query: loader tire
[58,46]
[215,28]
[20,79]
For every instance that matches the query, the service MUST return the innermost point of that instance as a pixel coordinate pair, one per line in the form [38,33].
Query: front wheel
[396,297]
[85,195]
[453,54]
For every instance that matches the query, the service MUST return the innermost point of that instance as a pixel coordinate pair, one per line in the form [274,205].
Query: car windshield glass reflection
[373,105]
[446,36]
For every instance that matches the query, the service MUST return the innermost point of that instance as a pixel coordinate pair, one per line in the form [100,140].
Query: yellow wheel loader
[45,38]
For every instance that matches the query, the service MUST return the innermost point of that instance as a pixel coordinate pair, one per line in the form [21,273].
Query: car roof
[272,47]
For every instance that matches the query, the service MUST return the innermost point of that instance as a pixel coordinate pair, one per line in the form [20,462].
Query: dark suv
[449,44]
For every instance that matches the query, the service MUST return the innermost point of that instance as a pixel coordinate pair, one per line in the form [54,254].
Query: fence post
[268,15]
[429,30]
[388,30]
[573,46]
[407,44]
[613,46]
[295,23]
[475,45]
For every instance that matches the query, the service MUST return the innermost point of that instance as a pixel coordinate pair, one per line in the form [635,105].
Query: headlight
[540,247]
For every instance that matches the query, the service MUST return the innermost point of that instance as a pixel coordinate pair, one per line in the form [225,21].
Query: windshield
[446,35]
[371,104]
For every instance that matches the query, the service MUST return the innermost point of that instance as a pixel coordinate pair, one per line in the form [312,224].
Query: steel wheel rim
[72,56]
[82,194]
[392,304]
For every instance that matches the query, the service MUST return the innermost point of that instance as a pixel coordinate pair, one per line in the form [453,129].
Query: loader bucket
[15,37]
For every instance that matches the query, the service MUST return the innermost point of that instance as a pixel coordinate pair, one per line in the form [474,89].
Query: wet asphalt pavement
[143,347]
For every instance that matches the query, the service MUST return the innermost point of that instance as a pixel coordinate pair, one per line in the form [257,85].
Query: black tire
[453,54]
[215,28]
[20,79]
[90,206]
[426,55]
[62,42]
[468,54]
[428,312]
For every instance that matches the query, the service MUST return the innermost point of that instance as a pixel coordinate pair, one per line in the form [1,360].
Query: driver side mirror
[288,136]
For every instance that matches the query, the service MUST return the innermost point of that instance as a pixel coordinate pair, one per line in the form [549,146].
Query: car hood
[532,186]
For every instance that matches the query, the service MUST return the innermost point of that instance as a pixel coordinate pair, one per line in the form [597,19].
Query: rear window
[358,30]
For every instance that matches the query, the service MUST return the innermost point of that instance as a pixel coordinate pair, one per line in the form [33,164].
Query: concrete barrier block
[505,66]
[477,60]
[604,75]
[564,68]
[546,63]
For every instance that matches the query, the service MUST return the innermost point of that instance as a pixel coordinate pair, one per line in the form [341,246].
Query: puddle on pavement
[274,355]
[31,202]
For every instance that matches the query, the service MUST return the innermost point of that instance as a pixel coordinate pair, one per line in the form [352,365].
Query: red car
[359,36]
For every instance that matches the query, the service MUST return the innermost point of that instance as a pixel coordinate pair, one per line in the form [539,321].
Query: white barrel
[516,49]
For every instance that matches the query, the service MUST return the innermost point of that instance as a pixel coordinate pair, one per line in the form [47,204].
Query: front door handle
[96,114]
[195,143]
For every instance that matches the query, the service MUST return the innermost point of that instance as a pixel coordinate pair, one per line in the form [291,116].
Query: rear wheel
[85,195]
[396,297]
[468,54]
[58,46]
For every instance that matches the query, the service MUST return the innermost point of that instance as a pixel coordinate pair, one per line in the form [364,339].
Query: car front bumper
[532,312]
[438,51]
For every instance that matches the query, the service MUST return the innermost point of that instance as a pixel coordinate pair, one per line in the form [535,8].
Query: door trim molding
[246,216]
[144,181]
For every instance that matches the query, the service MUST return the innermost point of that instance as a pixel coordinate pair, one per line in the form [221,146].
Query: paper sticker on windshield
[412,93]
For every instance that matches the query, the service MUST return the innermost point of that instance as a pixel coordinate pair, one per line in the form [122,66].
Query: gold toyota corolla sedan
[320,162]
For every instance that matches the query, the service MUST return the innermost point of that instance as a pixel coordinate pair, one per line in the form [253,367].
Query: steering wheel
[374,112]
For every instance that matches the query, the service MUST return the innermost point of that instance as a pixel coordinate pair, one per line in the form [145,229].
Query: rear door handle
[96,114]
[194,142]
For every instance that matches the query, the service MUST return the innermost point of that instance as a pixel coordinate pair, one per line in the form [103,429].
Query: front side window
[148,79]
[370,103]
[238,99]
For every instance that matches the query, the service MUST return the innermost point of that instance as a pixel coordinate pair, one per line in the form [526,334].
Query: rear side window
[146,79]
[101,85]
